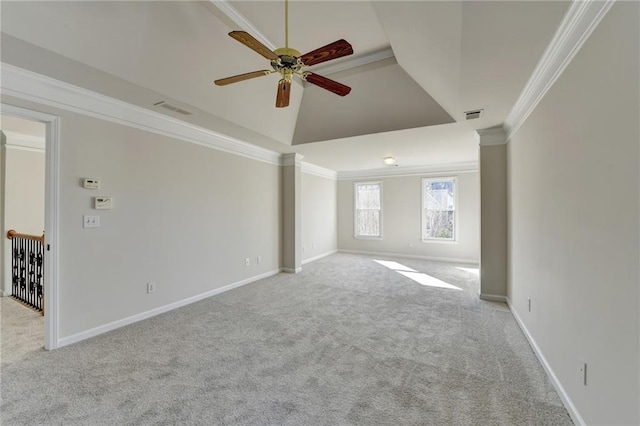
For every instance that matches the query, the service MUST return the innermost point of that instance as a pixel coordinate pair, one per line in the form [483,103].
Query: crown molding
[25,142]
[355,62]
[582,17]
[292,159]
[242,22]
[466,167]
[312,169]
[30,86]
[232,13]
[491,137]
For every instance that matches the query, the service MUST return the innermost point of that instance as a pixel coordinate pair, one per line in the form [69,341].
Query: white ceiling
[463,55]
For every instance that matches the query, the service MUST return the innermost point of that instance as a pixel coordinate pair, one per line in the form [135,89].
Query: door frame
[51,215]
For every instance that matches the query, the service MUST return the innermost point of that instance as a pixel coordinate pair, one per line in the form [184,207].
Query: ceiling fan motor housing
[288,62]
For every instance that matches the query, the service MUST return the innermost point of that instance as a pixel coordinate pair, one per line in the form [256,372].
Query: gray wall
[493,214]
[574,222]
[184,216]
[319,216]
[401,206]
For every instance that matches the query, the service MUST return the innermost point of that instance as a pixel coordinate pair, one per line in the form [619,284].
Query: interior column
[291,213]
[493,214]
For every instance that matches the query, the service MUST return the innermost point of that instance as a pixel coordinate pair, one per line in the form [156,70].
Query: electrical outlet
[314,245]
[529,303]
[258,260]
[247,261]
[151,287]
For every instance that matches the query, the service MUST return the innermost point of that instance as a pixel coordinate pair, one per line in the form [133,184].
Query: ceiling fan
[289,62]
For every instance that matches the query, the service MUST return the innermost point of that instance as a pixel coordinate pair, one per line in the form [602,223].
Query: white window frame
[355,211]
[423,182]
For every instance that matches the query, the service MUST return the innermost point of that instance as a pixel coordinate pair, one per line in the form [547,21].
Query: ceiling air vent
[165,105]
[472,115]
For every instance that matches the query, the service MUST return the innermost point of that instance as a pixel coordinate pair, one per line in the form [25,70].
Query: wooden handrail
[11,234]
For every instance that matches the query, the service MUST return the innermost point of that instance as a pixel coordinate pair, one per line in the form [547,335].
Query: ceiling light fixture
[389,161]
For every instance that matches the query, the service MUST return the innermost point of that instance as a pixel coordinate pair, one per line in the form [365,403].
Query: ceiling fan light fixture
[389,161]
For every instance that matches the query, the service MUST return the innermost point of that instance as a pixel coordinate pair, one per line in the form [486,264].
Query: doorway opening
[28,226]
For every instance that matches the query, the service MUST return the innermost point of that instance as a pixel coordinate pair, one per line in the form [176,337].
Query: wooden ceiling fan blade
[335,50]
[284,92]
[241,77]
[252,43]
[327,84]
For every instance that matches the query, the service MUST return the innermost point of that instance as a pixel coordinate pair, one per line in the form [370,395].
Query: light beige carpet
[348,341]
[21,331]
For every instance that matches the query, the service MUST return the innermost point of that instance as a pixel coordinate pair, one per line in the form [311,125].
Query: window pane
[439,224]
[368,196]
[368,207]
[368,223]
[439,195]
[439,209]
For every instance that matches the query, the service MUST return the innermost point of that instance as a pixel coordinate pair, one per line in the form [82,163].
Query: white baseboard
[292,270]
[493,297]
[4,293]
[411,256]
[318,257]
[156,311]
[564,397]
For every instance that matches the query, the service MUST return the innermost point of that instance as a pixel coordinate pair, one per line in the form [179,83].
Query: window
[439,209]
[368,210]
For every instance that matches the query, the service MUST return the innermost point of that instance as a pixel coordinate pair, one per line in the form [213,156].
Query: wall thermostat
[88,183]
[102,203]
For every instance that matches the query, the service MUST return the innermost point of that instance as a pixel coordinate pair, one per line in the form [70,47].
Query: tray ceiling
[449,57]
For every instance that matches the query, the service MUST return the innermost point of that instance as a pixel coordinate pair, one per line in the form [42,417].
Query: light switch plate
[102,203]
[90,221]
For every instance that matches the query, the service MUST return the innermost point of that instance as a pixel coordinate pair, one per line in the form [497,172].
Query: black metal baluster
[23,270]
[40,265]
[14,267]
[27,266]
[32,272]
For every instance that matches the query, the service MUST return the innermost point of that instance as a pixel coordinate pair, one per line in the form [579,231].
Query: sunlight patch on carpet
[419,277]
[475,271]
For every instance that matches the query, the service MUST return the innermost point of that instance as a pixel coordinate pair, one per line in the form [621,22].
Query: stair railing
[27,268]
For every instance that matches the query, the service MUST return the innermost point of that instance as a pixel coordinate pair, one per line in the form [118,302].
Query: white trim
[23,148]
[318,257]
[19,140]
[356,61]
[30,86]
[491,137]
[380,235]
[568,404]
[578,23]
[292,270]
[159,310]
[52,212]
[493,297]
[411,256]
[242,22]
[4,293]
[312,169]
[438,169]
[292,159]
